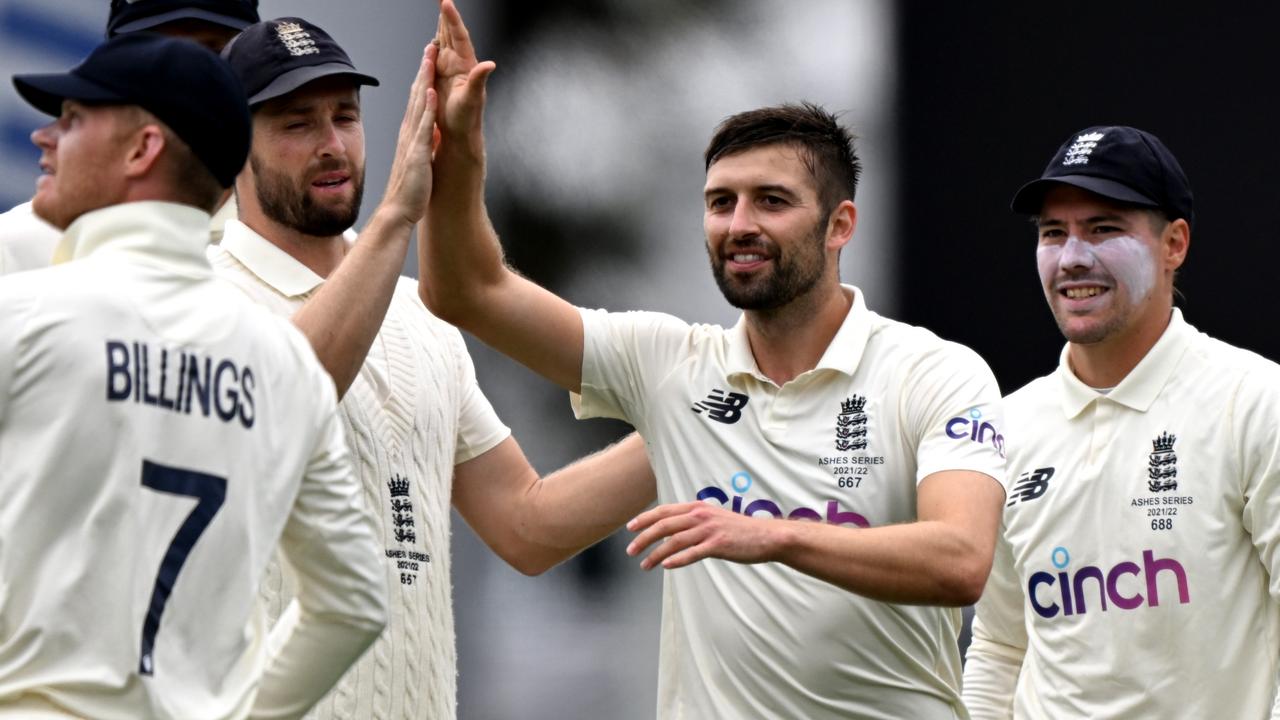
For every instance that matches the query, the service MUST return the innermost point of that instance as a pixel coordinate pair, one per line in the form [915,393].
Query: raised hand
[409,186]
[460,77]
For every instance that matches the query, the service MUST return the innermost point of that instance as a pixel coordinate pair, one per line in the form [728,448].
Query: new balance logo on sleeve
[721,407]
[1030,485]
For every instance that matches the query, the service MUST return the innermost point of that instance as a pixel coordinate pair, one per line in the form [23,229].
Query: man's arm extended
[345,315]
[462,276]
[536,523]
[941,559]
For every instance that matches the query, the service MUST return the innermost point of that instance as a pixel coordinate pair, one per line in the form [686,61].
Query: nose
[331,144]
[1076,255]
[45,137]
[743,223]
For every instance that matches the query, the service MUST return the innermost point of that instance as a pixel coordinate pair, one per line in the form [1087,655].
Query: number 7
[210,491]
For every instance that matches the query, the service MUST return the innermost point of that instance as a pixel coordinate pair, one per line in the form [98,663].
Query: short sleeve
[479,427]
[624,354]
[953,410]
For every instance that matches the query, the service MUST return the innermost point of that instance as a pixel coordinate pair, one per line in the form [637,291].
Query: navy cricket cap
[188,88]
[276,57]
[1116,162]
[134,15]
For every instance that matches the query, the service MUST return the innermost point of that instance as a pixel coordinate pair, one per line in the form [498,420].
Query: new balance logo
[721,407]
[1030,486]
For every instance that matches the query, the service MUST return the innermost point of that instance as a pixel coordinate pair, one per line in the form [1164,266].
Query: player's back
[154,428]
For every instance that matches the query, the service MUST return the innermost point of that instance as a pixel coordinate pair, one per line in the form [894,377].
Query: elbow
[963,583]
[531,564]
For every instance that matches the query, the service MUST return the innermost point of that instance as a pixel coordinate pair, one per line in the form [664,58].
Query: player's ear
[1175,243]
[841,224]
[143,149]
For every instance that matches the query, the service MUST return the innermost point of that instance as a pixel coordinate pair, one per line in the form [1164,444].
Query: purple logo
[741,483]
[975,429]
[1070,594]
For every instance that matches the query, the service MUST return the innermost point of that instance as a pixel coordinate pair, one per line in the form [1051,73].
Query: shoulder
[918,350]
[26,241]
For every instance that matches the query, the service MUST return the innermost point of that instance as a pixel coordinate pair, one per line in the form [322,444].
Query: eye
[718,202]
[1052,234]
[1106,229]
[773,201]
[347,119]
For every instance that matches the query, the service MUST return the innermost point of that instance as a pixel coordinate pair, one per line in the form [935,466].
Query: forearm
[991,672]
[585,502]
[460,260]
[536,523]
[344,317]
[924,563]
[316,651]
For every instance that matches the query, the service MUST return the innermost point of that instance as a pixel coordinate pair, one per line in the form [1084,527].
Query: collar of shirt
[273,266]
[178,233]
[1139,389]
[221,217]
[842,355]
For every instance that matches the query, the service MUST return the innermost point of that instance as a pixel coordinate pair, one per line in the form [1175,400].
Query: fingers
[649,517]
[662,528]
[454,31]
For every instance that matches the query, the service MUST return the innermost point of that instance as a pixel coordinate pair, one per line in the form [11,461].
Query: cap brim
[46,92]
[298,77]
[151,21]
[1029,198]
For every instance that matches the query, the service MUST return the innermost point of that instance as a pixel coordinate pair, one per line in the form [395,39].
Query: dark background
[987,93]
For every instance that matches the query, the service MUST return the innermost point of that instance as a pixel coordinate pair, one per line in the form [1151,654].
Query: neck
[790,340]
[320,254]
[1106,363]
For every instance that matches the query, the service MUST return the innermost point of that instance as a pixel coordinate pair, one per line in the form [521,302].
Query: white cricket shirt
[26,241]
[413,412]
[158,435]
[847,443]
[1137,576]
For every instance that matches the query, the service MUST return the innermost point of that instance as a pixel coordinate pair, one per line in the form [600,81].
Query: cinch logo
[1070,588]
[976,429]
[721,407]
[741,483]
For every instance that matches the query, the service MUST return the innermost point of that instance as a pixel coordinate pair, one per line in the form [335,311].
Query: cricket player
[1136,574]
[26,241]
[421,431]
[844,464]
[159,435]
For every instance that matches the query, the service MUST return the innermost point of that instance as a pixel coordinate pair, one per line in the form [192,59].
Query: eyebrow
[760,189]
[306,108]
[1111,218]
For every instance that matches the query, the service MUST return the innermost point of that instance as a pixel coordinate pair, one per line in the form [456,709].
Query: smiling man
[829,476]
[1136,575]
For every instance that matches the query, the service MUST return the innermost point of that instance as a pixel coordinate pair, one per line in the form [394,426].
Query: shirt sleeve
[999,645]
[1255,418]
[479,427]
[18,306]
[328,541]
[624,355]
[953,407]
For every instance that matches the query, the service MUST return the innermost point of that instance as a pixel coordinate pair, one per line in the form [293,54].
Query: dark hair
[827,149]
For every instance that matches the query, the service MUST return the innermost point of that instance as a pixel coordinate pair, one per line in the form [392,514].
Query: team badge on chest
[1162,504]
[851,425]
[1162,467]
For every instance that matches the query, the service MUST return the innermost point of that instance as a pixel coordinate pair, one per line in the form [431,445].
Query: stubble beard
[284,201]
[793,275]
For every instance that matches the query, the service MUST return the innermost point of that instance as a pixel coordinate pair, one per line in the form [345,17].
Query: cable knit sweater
[413,413]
